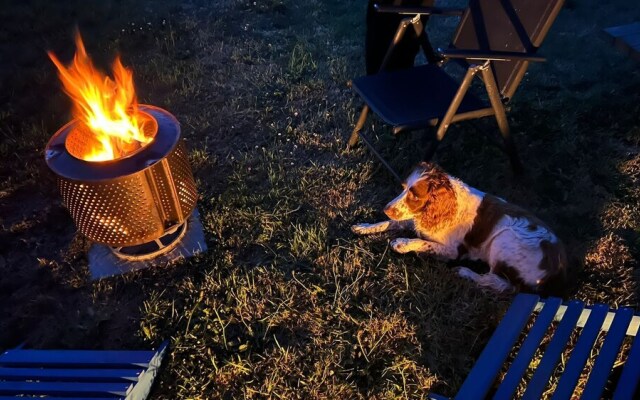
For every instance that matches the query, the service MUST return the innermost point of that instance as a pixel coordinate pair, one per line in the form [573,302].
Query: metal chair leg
[444,124]
[509,145]
[501,119]
[512,152]
[361,120]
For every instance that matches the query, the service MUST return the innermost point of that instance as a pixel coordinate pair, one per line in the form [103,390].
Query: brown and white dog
[454,221]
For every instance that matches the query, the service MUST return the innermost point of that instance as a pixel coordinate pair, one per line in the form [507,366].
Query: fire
[108,107]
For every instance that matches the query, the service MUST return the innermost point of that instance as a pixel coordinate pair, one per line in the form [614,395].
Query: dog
[454,221]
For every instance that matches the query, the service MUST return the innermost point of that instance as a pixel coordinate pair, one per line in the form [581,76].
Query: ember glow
[108,107]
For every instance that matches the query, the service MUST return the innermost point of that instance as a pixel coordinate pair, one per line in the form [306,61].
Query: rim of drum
[69,167]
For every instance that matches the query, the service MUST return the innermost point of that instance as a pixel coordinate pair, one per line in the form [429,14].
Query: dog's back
[516,245]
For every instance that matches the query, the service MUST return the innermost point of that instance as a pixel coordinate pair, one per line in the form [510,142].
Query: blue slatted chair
[86,374]
[617,323]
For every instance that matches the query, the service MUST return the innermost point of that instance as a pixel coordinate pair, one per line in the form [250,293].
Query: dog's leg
[384,226]
[404,245]
[489,280]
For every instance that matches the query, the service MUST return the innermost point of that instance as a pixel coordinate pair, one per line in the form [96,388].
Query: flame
[108,107]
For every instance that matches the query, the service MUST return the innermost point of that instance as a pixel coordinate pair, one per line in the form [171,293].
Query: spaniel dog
[454,221]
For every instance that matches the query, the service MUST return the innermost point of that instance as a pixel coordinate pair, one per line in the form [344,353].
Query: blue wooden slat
[580,353]
[73,375]
[496,351]
[527,350]
[554,350]
[65,388]
[101,358]
[630,373]
[607,356]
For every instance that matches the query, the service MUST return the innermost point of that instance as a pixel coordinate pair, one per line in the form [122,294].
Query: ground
[287,302]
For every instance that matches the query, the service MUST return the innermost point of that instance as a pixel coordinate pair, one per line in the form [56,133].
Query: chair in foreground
[495,40]
[86,374]
[592,320]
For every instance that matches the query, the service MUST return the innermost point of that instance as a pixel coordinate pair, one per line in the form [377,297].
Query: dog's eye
[411,195]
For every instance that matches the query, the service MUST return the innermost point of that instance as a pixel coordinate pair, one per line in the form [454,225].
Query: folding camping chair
[619,323]
[495,40]
[86,374]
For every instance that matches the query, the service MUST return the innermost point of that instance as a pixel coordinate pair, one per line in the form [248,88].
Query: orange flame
[107,106]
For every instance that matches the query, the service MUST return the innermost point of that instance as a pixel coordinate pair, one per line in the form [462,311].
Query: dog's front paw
[363,229]
[400,245]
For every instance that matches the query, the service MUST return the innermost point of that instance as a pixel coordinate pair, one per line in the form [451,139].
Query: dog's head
[427,193]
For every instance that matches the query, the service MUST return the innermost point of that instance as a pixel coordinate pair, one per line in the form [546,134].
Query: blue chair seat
[413,97]
[592,320]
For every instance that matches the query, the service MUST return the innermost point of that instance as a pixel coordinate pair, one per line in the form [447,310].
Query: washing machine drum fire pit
[138,201]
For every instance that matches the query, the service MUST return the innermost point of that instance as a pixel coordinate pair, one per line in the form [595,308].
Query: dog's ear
[419,196]
[441,200]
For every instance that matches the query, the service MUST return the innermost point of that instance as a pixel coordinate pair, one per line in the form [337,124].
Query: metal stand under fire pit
[103,262]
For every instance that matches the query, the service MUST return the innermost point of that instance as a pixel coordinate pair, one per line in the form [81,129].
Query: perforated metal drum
[131,200]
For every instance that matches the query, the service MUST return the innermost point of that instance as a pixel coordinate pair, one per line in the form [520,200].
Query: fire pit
[136,204]
[122,167]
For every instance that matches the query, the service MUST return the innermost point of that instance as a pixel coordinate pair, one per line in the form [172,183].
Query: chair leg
[443,125]
[361,120]
[512,152]
[509,145]
[425,43]
[501,119]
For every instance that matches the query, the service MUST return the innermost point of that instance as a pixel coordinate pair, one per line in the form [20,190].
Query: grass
[287,303]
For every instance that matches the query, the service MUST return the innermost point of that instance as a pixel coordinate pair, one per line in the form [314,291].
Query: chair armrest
[402,10]
[489,55]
